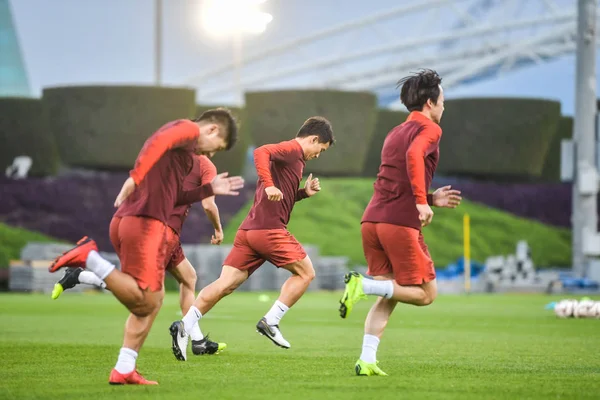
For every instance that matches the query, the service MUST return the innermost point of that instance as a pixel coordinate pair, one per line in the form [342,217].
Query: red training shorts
[177,256]
[144,246]
[399,250]
[252,248]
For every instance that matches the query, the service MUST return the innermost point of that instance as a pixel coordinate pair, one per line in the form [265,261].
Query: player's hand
[225,185]
[446,197]
[126,190]
[217,238]
[312,186]
[273,193]
[425,214]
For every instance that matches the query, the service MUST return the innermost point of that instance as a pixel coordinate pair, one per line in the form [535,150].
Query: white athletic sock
[378,288]
[196,333]
[369,349]
[190,319]
[90,278]
[98,265]
[276,313]
[126,361]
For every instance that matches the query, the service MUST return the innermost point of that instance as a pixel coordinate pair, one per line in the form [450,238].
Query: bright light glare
[226,17]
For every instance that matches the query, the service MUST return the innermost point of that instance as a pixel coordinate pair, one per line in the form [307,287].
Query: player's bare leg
[378,316]
[294,287]
[390,293]
[230,279]
[185,274]
[136,332]
[138,327]
[358,287]
[125,288]
[141,303]
[375,324]
[417,295]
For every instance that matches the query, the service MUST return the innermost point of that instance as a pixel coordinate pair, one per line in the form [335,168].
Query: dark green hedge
[386,121]
[24,132]
[564,130]
[106,126]
[234,160]
[13,239]
[276,116]
[497,138]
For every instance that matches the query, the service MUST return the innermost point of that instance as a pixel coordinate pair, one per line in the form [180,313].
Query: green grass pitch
[461,347]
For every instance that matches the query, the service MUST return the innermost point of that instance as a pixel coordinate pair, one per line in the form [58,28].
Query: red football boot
[76,257]
[132,378]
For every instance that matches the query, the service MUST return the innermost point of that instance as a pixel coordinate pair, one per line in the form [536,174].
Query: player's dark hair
[318,126]
[418,88]
[223,117]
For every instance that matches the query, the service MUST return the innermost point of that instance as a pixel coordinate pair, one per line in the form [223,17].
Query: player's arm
[263,156]
[187,197]
[422,145]
[179,134]
[208,172]
[212,212]
[222,185]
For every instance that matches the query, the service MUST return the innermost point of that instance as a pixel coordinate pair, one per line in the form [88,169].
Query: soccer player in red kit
[203,172]
[263,235]
[393,245]
[139,230]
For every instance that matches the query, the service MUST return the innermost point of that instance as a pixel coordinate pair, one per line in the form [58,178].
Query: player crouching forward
[202,173]
[393,244]
[139,231]
[263,235]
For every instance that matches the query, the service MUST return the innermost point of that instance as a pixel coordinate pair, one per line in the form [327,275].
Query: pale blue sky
[111,41]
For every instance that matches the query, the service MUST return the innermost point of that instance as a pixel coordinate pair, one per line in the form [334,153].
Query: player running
[263,235]
[203,172]
[139,230]
[394,248]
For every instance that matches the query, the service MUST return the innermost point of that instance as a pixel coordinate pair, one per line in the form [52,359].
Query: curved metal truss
[465,40]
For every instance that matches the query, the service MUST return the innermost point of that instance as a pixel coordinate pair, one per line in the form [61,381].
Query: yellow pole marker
[467,250]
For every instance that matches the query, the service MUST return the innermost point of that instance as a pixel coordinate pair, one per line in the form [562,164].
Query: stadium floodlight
[234,18]
[231,17]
